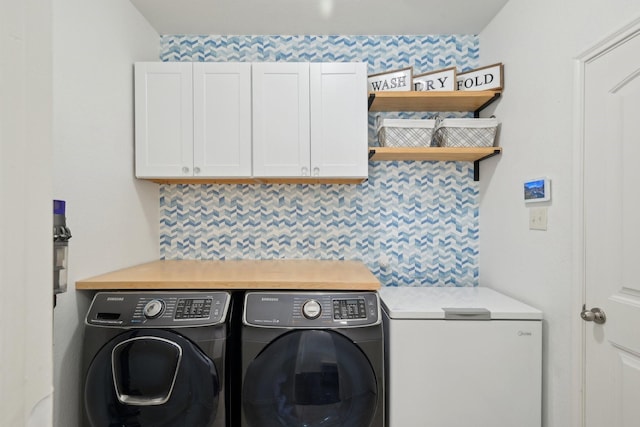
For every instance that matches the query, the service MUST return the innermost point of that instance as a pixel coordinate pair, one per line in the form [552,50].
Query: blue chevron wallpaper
[412,223]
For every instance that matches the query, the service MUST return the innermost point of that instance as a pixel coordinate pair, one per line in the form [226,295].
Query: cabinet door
[339,146]
[222,119]
[281,146]
[163,119]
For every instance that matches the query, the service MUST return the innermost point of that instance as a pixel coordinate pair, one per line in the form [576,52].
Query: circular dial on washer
[153,309]
[311,309]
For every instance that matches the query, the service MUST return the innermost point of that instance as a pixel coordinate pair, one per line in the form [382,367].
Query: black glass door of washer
[151,378]
[310,378]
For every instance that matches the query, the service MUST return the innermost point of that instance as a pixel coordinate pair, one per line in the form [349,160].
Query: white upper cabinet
[222,119]
[281,139]
[245,120]
[339,133]
[193,119]
[310,120]
[164,119]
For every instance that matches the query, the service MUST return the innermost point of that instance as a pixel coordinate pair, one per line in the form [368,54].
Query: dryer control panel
[158,309]
[311,309]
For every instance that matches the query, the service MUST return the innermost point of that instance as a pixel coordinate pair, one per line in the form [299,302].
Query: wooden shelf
[461,154]
[432,101]
[473,101]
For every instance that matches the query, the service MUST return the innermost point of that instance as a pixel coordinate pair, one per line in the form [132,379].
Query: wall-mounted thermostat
[537,190]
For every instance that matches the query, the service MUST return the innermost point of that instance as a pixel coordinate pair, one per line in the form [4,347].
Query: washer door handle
[142,400]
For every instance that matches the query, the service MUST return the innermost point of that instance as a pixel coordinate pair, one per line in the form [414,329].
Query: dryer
[156,359]
[312,359]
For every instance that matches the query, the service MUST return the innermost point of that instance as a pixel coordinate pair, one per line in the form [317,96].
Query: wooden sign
[439,80]
[391,81]
[485,78]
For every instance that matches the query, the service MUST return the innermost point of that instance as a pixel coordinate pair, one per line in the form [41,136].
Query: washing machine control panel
[153,308]
[158,309]
[355,308]
[311,309]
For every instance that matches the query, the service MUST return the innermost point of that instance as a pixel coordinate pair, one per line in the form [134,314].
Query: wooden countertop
[237,274]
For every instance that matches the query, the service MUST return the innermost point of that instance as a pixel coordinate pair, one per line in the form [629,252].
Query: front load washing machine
[156,359]
[312,359]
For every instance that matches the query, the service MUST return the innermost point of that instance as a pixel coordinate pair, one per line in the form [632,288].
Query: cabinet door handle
[316,171]
[196,170]
[185,170]
[305,171]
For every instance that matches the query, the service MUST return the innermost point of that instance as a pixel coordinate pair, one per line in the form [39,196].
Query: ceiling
[319,17]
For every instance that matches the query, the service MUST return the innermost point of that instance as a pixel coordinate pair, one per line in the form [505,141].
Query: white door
[163,119]
[610,74]
[281,146]
[222,119]
[339,146]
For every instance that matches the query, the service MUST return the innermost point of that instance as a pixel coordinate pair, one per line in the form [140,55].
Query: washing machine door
[151,378]
[311,378]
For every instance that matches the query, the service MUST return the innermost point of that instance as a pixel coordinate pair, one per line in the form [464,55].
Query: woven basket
[405,132]
[466,133]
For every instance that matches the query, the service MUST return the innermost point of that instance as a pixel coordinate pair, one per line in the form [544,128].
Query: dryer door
[151,378]
[311,378]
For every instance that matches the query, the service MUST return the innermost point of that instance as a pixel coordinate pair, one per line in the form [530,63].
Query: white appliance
[459,357]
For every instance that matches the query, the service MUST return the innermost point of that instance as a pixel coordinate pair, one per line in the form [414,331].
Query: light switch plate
[538,218]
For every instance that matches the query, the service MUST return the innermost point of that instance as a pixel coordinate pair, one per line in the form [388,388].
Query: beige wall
[113,217]
[537,42]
